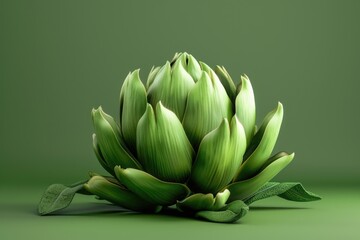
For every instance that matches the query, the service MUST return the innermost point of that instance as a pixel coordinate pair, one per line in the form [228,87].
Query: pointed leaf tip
[245,107]
[110,141]
[193,68]
[226,81]
[151,77]
[134,105]
[287,190]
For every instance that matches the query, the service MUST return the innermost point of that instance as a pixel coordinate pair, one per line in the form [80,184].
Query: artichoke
[187,140]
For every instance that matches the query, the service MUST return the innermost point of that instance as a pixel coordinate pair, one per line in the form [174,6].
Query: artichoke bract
[187,139]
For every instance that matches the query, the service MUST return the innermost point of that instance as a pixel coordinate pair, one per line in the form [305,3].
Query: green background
[59,59]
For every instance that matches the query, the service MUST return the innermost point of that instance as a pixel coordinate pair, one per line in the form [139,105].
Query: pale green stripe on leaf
[162,146]
[151,188]
[262,144]
[118,195]
[245,107]
[134,105]
[244,189]
[110,141]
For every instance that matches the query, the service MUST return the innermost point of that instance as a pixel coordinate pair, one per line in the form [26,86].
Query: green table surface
[337,216]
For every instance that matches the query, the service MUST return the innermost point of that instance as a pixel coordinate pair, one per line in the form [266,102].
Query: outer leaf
[171,87]
[99,155]
[262,144]
[108,178]
[230,213]
[134,105]
[110,142]
[219,156]
[57,197]
[201,202]
[196,202]
[162,145]
[122,93]
[207,105]
[297,193]
[243,189]
[118,195]
[151,188]
[292,191]
[226,81]
[245,107]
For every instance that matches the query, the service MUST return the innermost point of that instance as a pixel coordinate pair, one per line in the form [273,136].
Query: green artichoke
[188,139]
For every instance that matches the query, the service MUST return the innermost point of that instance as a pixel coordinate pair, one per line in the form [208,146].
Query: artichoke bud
[134,105]
[262,144]
[219,156]
[207,105]
[171,87]
[162,145]
[245,107]
[110,141]
[226,81]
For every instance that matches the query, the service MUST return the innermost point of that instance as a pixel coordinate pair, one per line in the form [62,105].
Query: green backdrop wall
[59,59]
